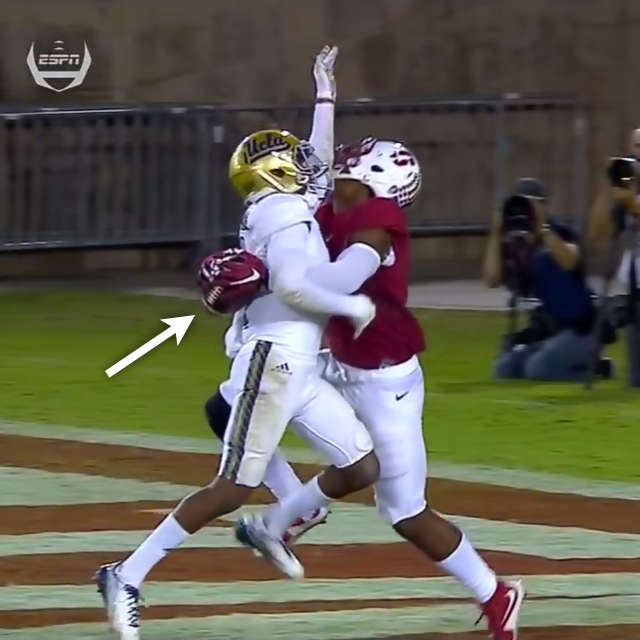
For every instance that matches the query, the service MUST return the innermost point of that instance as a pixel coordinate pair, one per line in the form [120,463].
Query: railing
[130,175]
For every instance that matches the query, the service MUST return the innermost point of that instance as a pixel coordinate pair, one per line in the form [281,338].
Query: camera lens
[517,215]
[621,171]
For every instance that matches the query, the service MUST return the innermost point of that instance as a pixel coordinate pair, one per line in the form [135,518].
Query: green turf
[54,348]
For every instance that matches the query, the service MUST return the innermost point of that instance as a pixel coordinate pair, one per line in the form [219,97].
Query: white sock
[166,536]
[469,568]
[280,478]
[301,502]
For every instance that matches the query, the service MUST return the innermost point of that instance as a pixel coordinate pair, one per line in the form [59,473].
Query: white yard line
[516,478]
[33,487]
[355,524]
[343,625]
[29,597]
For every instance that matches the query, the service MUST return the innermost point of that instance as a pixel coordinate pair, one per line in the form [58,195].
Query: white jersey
[268,317]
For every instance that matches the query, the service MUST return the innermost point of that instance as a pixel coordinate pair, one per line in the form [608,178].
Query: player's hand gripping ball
[230,279]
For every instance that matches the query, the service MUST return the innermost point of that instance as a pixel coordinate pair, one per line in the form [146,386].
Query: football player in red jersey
[379,372]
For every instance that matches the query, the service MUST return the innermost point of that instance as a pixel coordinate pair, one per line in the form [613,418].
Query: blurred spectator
[615,220]
[535,256]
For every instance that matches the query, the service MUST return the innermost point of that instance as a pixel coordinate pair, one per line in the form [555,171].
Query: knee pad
[397,500]
[217,412]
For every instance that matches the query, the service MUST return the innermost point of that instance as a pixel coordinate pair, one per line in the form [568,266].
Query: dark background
[259,52]
[247,52]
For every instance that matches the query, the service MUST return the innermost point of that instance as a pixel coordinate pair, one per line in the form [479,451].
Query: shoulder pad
[275,213]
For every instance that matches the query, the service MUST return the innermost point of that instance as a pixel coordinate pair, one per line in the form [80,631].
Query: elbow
[491,277]
[569,259]
[288,290]
[599,230]
[572,263]
[569,263]
[292,298]
[492,281]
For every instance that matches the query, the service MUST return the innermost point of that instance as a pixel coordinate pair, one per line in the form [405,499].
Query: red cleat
[502,610]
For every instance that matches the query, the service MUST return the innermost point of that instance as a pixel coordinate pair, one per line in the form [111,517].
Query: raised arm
[321,136]
[492,264]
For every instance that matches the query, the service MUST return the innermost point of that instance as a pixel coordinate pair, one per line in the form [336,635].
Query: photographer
[615,219]
[534,256]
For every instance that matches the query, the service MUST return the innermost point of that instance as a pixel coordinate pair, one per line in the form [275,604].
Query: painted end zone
[67,506]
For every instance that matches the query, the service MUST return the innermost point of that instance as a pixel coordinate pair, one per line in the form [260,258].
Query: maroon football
[230,279]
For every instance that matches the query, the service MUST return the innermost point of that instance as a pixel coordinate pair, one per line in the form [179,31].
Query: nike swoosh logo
[399,396]
[252,278]
[512,595]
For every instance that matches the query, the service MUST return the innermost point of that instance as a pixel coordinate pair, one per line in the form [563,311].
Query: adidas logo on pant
[282,368]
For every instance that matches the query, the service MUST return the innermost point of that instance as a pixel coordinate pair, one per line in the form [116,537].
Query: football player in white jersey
[274,377]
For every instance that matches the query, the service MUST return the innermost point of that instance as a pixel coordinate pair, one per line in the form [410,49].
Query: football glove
[323,73]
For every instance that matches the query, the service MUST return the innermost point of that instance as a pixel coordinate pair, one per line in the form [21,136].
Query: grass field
[54,347]
[72,499]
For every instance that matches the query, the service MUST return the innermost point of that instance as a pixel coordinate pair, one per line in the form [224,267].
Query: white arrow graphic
[177,327]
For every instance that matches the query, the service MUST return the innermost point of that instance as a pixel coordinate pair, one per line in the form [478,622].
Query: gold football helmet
[273,159]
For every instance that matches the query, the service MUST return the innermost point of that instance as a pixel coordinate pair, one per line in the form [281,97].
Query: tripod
[633,328]
[619,217]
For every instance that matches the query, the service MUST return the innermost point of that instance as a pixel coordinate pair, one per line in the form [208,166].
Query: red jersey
[394,335]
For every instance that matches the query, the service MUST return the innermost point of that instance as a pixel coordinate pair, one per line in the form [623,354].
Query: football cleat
[302,525]
[121,601]
[502,610]
[252,532]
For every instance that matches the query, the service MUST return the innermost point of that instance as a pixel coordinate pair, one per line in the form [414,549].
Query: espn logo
[58,58]
[59,70]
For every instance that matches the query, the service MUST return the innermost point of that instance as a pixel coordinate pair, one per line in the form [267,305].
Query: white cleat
[252,532]
[121,601]
[302,525]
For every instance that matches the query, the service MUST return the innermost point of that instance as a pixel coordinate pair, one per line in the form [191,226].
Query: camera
[619,313]
[517,216]
[623,172]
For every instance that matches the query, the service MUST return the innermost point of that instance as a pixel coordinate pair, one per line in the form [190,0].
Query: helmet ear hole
[377,168]
[278,173]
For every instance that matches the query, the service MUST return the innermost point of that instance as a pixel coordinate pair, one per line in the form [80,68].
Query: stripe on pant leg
[242,417]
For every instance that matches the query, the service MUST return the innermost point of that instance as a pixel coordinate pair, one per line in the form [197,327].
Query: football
[230,279]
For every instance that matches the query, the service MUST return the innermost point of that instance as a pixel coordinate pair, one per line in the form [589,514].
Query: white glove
[365,315]
[323,73]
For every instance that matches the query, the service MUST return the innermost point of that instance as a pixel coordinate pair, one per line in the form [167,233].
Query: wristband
[325,100]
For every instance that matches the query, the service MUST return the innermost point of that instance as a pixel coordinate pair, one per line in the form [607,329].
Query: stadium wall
[210,50]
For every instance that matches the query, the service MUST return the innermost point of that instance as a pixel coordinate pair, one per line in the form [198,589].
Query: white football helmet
[387,167]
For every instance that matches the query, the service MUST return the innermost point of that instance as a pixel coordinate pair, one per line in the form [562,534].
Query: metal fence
[121,175]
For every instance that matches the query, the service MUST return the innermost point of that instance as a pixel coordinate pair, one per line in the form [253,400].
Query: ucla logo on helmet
[256,148]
